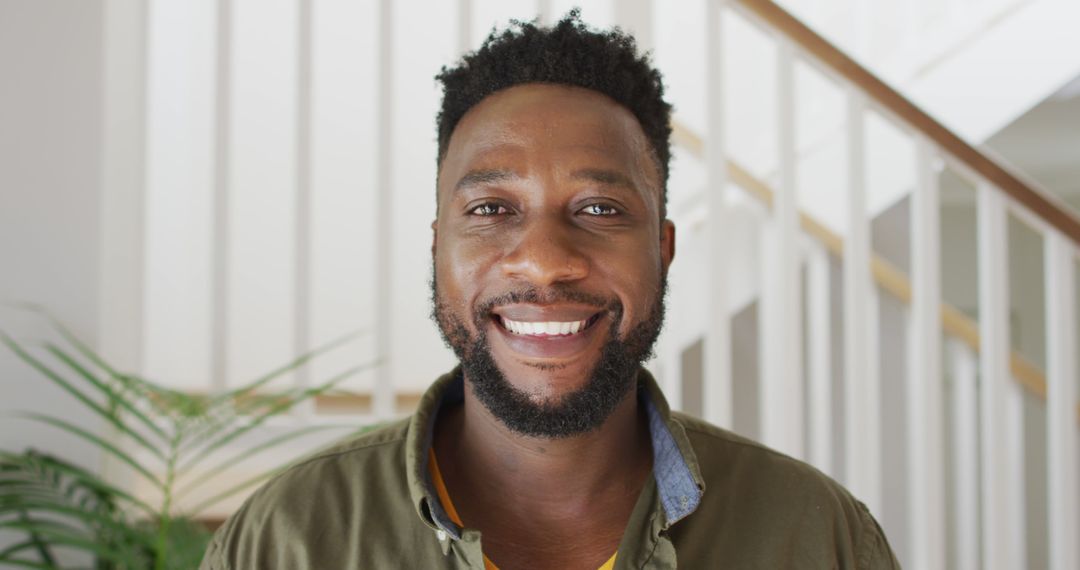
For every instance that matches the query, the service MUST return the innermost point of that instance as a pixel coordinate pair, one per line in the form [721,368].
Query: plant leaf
[57,536]
[82,476]
[113,395]
[89,518]
[79,395]
[72,338]
[6,553]
[290,366]
[104,445]
[261,418]
[27,563]
[199,508]
[250,452]
[39,543]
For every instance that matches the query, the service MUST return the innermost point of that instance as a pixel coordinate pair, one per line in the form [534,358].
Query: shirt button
[441,535]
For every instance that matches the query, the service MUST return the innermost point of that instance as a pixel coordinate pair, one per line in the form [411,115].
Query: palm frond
[64,507]
[274,410]
[235,460]
[289,367]
[114,396]
[67,386]
[252,481]
[96,440]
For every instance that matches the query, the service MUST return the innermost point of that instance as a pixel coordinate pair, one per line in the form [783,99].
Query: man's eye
[599,210]
[488,209]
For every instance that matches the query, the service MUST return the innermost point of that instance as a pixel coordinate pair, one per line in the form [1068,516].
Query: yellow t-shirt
[444,496]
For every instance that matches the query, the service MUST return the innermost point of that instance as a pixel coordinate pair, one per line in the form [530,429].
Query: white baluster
[1061,429]
[872,462]
[1017,490]
[544,12]
[717,389]
[464,25]
[182,143]
[671,368]
[219,356]
[963,368]
[302,219]
[781,370]
[924,410]
[636,17]
[383,393]
[1002,535]
[859,446]
[819,359]
[261,252]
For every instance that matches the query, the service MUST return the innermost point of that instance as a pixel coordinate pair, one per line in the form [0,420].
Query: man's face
[550,255]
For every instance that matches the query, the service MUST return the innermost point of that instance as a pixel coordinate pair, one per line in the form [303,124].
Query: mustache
[550,295]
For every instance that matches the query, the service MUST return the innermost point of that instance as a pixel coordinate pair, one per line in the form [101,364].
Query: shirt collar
[675,467]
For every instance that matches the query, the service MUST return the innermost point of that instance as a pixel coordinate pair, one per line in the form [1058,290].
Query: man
[550,446]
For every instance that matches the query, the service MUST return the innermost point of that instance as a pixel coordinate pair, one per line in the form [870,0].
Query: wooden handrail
[888,277]
[339,401]
[1028,194]
[361,402]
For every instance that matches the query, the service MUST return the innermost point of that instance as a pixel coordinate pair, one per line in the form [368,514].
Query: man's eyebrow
[603,176]
[482,177]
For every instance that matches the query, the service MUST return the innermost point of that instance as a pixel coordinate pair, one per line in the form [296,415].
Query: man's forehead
[511,124]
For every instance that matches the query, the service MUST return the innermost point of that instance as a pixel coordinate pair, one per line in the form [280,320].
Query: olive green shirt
[715,500]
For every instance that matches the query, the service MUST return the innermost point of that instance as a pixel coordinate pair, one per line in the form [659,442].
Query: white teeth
[544,328]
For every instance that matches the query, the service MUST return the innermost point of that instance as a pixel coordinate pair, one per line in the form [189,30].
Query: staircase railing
[986,493]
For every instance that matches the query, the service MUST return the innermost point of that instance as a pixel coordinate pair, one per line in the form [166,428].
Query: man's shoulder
[345,467]
[769,502]
[370,441]
[356,487]
[721,453]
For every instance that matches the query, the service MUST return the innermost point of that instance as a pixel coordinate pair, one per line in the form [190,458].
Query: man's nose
[546,253]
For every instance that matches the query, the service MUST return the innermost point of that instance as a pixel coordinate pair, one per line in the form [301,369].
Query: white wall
[50,194]
[51,75]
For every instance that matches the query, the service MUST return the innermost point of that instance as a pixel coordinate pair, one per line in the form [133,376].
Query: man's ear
[434,235]
[667,243]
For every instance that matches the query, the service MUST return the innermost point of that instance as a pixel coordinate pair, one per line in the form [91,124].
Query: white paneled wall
[415,354]
[260,243]
[343,221]
[179,200]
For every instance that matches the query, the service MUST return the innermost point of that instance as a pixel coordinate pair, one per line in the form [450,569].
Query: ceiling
[1044,143]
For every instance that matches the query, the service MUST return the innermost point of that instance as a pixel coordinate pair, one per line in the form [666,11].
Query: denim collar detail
[679,492]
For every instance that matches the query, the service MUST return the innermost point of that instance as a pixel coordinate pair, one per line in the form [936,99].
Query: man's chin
[545,380]
[550,404]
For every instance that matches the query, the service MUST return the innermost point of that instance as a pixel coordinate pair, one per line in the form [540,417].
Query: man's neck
[580,486]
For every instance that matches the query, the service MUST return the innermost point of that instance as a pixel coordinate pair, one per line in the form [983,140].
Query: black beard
[579,412]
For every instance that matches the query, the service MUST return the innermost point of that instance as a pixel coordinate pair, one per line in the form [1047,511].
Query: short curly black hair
[568,53]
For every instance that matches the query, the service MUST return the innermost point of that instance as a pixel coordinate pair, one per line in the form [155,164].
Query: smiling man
[549,446]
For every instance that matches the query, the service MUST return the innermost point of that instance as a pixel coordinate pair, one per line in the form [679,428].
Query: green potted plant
[51,504]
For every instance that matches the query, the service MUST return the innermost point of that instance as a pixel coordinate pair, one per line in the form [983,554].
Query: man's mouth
[549,333]
[547,328]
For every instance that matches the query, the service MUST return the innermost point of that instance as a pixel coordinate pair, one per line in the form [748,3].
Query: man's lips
[547,332]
